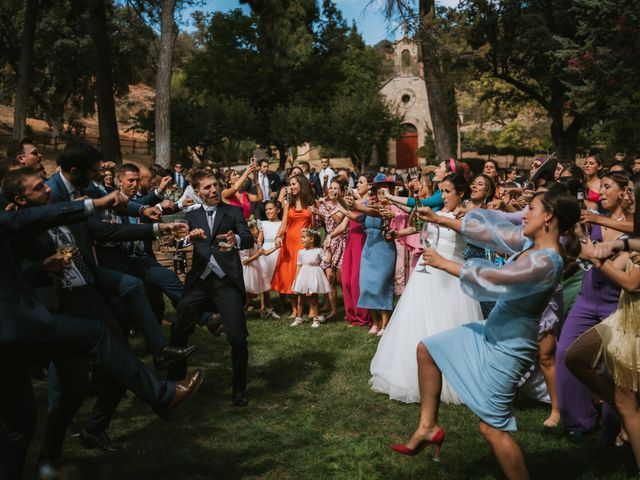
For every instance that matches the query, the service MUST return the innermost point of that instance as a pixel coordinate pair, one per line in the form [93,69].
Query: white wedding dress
[430,303]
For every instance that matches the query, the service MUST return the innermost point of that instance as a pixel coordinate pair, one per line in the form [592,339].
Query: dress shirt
[72,273]
[212,264]
[71,189]
[263,180]
[326,172]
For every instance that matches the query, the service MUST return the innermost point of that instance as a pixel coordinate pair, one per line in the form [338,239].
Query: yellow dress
[620,334]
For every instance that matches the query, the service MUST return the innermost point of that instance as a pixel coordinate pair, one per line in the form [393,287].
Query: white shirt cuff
[89,207]
[156,229]
[237,241]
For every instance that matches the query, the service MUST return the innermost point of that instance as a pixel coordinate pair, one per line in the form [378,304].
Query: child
[256,281]
[268,232]
[310,278]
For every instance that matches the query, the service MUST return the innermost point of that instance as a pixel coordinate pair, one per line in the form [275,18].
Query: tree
[357,121]
[107,123]
[603,64]
[519,43]
[437,78]
[24,69]
[168,34]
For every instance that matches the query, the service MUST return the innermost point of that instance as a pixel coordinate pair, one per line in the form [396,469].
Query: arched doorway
[407,147]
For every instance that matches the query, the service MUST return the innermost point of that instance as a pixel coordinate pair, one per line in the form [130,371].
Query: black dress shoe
[240,399]
[98,440]
[168,355]
[184,389]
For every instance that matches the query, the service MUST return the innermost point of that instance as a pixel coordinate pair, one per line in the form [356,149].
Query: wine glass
[585,237]
[66,250]
[108,216]
[179,231]
[429,238]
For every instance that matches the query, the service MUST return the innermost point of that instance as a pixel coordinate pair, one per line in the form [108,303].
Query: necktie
[76,194]
[212,264]
[211,211]
[77,258]
[265,188]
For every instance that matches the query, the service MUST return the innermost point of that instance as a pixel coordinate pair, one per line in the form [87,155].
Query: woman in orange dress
[297,215]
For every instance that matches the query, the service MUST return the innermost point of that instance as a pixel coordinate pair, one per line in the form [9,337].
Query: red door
[407,151]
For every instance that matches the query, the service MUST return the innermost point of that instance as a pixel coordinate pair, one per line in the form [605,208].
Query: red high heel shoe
[437,440]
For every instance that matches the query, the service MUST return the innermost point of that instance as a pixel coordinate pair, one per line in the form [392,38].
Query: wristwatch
[625,243]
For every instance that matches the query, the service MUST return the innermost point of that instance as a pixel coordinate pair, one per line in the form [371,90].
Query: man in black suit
[215,281]
[28,331]
[270,184]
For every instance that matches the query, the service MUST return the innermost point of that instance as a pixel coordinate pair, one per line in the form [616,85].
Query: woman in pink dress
[351,262]
[297,215]
[236,193]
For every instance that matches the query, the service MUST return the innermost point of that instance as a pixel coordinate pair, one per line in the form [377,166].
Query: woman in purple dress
[597,299]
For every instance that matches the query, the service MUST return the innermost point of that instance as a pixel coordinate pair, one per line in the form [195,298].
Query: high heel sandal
[437,440]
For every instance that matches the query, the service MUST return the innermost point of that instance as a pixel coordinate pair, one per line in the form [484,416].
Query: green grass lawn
[312,416]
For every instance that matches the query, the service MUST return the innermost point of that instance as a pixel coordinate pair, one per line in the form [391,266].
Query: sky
[366,13]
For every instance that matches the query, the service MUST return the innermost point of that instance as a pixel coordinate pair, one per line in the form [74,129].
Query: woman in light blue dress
[377,270]
[484,361]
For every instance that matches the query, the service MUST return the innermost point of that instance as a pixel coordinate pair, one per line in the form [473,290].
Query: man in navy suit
[68,378]
[28,155]
[179,178]
[215,281]
[79,166]
[131,258]
[270,184]
[28,331]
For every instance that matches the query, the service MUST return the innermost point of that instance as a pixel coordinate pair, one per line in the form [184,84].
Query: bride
[431,303]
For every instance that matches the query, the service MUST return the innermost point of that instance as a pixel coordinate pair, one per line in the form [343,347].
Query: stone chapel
[406,91]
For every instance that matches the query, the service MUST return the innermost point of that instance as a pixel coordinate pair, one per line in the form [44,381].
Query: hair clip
[311,231]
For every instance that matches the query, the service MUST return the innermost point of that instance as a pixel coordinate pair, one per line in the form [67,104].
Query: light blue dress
[484,361]
[377,268]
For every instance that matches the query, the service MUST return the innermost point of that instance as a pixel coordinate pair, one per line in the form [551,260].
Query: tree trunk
[24,69]
[56,120]
[282,152]
[168,33]
[107,122]
[565,140]
[440,90]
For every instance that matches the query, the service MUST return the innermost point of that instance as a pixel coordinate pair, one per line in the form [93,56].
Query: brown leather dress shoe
[184,389]
[214,325]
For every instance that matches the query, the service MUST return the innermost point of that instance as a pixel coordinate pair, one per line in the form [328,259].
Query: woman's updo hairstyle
[490,188]
[566,210]
[619,178]
[277,205]
[459,184]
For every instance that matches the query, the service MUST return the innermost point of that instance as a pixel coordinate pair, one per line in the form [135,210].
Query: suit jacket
[22,318]
[227,218]
[34,250]
[59,193]
[174,175]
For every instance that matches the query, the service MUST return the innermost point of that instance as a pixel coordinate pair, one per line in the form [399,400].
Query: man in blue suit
[28,331]
[79,166]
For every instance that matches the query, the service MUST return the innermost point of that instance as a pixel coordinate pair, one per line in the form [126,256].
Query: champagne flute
[66,250]
[429,238]
[179,231]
